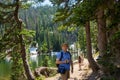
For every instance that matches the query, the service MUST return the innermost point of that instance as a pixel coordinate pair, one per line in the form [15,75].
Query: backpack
[62,57]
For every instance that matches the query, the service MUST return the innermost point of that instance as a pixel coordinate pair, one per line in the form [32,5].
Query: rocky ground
[77,75]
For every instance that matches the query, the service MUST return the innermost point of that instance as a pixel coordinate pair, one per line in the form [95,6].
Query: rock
[45,71]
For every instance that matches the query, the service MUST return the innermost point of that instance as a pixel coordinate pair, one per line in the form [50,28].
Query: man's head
[64,46]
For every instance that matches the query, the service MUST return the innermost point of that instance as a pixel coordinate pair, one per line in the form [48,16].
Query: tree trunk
[102,38]
[92,62]
[25,62]
[22,44]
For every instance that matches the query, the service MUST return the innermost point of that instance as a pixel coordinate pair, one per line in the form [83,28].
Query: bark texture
[102,38]
[92,62]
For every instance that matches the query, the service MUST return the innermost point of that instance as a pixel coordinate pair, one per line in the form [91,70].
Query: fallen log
[45,71]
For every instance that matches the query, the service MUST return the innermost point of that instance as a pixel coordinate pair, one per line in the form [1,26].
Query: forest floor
[83,74]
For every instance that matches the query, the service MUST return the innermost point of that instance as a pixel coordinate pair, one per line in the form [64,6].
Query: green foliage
[108,78]
[44,47]
[107,63]
[61,28]
[116,36]
[34,44]
[26,5]
[28,33]
[46,30]
[40,78]
[17,68]
[82,39]
[46,62]
[94,35]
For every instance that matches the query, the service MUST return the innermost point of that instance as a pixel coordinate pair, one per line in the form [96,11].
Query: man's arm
[60,62]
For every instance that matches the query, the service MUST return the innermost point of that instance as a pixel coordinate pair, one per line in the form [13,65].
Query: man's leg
[68,74]
[65,76]
[79,66]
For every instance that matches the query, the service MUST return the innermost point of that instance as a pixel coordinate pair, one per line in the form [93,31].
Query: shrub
[46,62]
[40,78]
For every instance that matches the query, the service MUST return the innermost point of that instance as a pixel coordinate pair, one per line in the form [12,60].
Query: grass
[5,78]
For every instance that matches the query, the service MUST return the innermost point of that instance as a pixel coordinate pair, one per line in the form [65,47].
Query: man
[66,61]
[80,61]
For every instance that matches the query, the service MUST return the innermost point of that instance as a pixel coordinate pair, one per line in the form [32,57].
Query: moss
[40,78]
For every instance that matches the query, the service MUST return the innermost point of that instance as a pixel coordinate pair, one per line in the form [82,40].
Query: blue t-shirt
[66,56]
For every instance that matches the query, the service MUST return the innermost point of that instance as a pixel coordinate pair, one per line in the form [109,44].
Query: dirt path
[77,75]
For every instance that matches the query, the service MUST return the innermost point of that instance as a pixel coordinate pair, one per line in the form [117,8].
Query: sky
[46,2]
